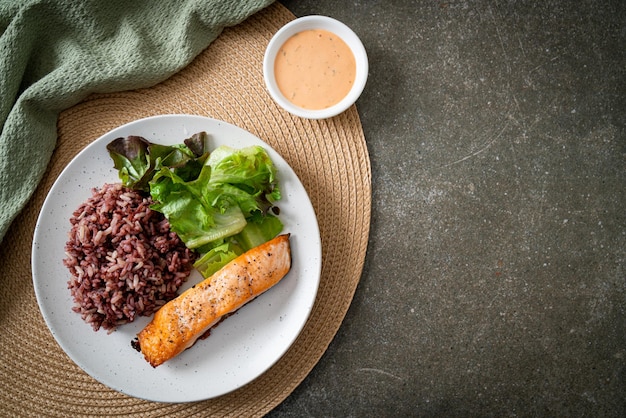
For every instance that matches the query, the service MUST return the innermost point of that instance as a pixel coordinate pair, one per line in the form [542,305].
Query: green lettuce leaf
[228,202]
[218,202]
[137,159]
[217,257]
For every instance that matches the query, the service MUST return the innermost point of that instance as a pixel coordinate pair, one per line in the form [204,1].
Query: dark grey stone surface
[494,283]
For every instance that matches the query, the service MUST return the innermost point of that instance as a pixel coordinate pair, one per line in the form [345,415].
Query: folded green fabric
[56,52]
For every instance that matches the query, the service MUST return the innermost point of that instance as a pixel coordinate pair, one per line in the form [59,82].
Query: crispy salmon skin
[180,322]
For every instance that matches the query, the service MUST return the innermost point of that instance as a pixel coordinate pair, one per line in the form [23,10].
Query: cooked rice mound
[123,258]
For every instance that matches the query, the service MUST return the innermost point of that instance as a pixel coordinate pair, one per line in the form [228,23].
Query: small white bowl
[323,23]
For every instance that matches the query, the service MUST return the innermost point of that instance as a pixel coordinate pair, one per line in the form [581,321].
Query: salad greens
[220,202]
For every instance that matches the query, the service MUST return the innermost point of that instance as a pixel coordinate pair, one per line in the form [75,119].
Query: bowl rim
[316,22]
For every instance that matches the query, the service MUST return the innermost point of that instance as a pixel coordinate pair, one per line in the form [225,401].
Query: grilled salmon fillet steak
[180,322]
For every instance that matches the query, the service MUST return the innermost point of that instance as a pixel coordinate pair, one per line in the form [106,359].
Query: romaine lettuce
[218,202]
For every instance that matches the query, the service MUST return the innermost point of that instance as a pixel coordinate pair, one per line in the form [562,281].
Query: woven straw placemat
[224,82]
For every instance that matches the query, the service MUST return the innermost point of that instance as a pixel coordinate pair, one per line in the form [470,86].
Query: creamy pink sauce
[315,69]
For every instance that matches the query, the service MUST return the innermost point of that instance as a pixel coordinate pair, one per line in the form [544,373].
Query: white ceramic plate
[242,347]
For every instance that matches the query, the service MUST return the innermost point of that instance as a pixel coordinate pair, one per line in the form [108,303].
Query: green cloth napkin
[53,53]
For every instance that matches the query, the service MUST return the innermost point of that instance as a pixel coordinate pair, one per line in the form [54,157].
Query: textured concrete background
[494,283]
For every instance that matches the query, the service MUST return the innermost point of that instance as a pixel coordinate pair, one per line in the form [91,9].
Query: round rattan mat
[224,82]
